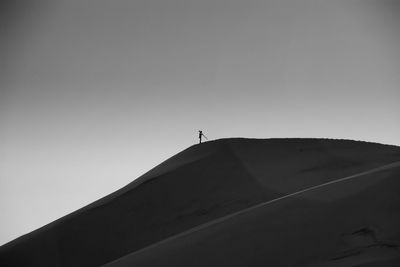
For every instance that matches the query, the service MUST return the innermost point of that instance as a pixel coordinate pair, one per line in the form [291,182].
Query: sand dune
[220,189]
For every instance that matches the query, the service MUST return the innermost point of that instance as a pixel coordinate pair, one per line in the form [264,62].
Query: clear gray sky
[95,93]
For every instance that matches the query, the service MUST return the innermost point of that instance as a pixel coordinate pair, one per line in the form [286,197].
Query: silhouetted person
[201,135]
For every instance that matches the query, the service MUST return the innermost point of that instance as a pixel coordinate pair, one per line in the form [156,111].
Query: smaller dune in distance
[237,202]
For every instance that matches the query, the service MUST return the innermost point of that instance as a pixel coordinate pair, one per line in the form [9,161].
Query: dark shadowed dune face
[222,203]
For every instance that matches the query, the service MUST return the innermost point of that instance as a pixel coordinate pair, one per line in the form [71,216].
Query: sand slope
[212,180]
[360,228]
